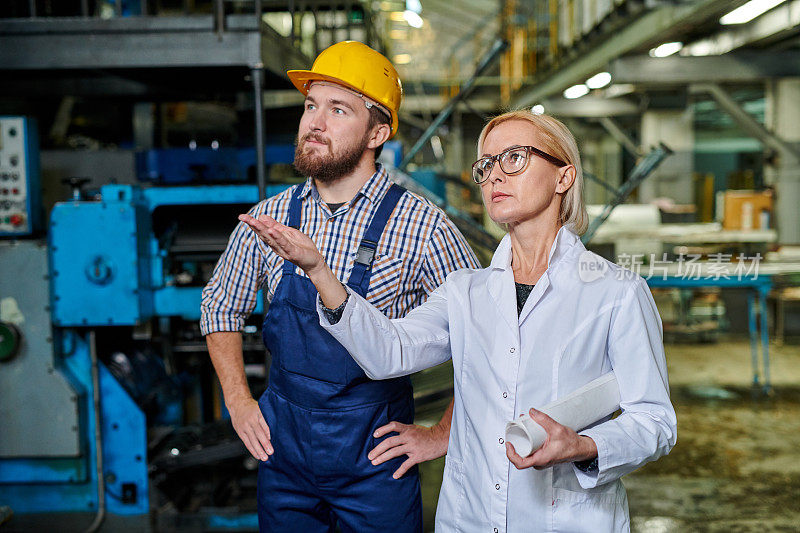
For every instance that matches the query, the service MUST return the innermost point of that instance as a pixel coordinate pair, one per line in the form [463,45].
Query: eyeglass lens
[511,162]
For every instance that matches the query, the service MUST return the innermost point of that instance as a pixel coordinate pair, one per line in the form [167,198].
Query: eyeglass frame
[496,159]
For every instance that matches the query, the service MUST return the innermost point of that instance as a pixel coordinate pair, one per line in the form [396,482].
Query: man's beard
[329,167]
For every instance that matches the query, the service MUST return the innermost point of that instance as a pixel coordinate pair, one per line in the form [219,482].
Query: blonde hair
[557,141]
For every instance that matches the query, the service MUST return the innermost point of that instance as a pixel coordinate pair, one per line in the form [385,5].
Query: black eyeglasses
[512,161]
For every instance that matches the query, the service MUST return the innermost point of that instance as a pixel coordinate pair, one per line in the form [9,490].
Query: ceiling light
[666,49]
[598,81]
[576,91]
[414,5]
[707,47]
[413,19]
[749,11]
[402,59]
[538,109]
[397,16]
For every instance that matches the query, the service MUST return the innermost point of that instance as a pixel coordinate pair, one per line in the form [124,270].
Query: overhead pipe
[746,121]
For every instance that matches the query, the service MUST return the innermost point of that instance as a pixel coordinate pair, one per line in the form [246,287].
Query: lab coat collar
[501,283]
[565,239]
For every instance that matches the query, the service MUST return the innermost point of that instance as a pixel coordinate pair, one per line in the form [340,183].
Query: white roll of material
[578,410]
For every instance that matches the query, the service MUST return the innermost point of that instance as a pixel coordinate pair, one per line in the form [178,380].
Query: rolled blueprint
[578,410]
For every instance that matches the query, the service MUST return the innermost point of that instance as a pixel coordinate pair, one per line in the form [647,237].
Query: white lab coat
[572,330]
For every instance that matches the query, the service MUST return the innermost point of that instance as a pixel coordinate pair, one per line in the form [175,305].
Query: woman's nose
[495,174]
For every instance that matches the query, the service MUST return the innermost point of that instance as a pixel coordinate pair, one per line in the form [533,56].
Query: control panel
[20,189]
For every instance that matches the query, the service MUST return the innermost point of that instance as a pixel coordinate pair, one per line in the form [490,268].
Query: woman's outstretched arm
[383,348]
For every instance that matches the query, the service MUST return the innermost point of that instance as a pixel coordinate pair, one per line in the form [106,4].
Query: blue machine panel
[99,268]
[206,165]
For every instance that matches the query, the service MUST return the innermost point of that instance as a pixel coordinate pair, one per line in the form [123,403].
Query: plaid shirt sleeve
[231,294]
[447,251]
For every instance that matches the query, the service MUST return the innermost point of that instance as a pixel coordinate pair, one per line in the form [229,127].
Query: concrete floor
[736,466]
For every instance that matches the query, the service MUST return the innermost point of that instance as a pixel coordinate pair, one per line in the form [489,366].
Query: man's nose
[317,122]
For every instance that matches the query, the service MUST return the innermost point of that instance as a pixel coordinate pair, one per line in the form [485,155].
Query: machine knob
[76,184]
[16,220]
[9,341]
[99,270]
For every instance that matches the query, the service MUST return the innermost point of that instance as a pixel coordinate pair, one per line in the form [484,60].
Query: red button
[16,191]
[16,220]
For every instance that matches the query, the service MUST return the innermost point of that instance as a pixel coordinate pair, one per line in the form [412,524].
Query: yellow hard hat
[358,67]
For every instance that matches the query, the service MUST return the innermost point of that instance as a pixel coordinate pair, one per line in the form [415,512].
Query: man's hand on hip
[419,443]
[251,427]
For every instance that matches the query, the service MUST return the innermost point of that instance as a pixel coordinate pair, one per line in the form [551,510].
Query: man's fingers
[263,424]
[253,446]
[267,220]
[407,464]
[397,451]
[258,227]
[279,238]
[388,428]
[391,442]
[263,439]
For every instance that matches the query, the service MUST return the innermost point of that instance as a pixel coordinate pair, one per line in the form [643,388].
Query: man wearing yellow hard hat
[334,446]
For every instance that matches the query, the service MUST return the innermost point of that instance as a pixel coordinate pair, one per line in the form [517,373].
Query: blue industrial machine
[108,402]
[106,394]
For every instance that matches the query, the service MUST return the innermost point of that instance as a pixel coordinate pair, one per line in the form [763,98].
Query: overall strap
[295,206]
[362,268]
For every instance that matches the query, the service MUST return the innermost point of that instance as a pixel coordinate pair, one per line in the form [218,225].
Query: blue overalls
[322,411]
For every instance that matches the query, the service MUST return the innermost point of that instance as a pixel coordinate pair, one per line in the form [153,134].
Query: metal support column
[762,303]
[219,18]
[752,329]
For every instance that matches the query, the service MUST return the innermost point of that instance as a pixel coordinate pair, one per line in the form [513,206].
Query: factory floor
[736,466]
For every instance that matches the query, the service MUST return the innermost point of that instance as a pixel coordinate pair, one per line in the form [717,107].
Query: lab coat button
[500,440]
[512,350]
[505,395]
[496,530]
[497,486]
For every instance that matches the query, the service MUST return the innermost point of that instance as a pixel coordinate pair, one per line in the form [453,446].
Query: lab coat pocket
[384,283]
[596,512]
[451,496]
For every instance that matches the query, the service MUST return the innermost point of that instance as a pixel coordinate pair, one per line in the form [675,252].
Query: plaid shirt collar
[373,190]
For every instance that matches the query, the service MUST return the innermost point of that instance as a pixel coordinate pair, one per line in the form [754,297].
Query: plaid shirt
[417,249]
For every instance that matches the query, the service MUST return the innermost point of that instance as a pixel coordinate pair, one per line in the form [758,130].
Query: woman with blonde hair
[544,319]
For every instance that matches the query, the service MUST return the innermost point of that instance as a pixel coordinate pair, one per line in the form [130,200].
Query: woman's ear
[566,177]
[380,134]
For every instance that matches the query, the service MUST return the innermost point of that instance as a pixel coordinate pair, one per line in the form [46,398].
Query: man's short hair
[376,118]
